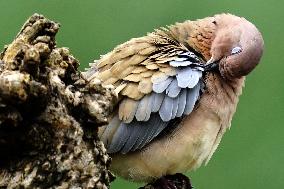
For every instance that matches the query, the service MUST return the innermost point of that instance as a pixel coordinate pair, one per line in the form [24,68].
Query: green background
[251,154]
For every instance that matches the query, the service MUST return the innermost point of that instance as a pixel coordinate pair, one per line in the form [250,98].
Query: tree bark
[49,115]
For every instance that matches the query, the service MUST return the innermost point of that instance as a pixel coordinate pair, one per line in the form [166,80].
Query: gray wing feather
[181,102]
[120,137]
[142,136]
[196,75]
[166,109]
[110,129]
[175,107]
[173,89]
[136,128]
[187,77]
[152,132]
[161,86]
[192,96]
[157,100]
[158,126]
[144,109]
[184,77]
[135,135]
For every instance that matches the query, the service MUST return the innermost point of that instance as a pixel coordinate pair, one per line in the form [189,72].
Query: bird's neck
[222,96]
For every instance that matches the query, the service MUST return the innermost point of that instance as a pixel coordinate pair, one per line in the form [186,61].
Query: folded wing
[158,80]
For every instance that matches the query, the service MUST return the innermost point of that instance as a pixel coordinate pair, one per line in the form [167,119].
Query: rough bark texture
[49,115]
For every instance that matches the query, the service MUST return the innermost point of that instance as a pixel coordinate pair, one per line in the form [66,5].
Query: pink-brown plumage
[190,74]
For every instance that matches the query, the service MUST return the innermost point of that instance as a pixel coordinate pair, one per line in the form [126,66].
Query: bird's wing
[158,80]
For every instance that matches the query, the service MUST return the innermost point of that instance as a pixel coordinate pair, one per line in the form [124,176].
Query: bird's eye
[236,50]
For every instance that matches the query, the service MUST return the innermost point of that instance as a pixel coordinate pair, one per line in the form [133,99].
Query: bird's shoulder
[134,66]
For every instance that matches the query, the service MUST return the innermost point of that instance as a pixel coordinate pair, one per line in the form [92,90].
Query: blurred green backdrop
[251,154]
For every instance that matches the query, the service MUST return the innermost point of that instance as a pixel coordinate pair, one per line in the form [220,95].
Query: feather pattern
[173,89]
[188,77]
[127,109]
[175,107]
[166,109]
[157,101]
[158,80]
[192,96]
[144,109]
[181,102]
[161,86]
[135,134]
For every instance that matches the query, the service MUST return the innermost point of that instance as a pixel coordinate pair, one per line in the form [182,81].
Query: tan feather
[125,72]
[131,47]
[136,59]
[166,59]
[170,71]
[142,44]
[148,50]
[133,77]
[122,54]
[122,51]
[120,87]
[152,66]
[139,69]
[158,77]
[104,75]
[147,61]
[148,73]
[155,56]
[106,67]
[145,86]
[124,64]
[163,65]
[127,109]
[103,61]
[119,66]
[131,90]
[110,80]
[162,56]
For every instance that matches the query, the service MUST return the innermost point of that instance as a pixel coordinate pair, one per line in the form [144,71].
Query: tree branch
[49,115]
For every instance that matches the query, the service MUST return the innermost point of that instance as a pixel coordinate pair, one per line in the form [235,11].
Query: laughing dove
[178,89]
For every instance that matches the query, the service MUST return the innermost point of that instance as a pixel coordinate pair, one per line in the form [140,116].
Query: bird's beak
[211,65]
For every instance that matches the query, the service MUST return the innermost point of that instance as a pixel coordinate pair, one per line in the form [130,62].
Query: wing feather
[161,86]
[166,109]
[131,90]
[175,107]
[145,86]
[144,109]
[173,89]
[192,96]
[157,101]
[181,103]
[156,79]
[127,109]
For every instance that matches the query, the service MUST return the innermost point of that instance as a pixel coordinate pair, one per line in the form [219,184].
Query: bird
[178,88]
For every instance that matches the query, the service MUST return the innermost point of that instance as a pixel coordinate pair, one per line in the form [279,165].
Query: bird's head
[237,46]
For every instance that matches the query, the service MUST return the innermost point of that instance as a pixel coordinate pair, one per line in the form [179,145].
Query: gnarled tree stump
[49,115]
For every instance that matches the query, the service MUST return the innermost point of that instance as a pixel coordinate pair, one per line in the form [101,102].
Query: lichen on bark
[49,115]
